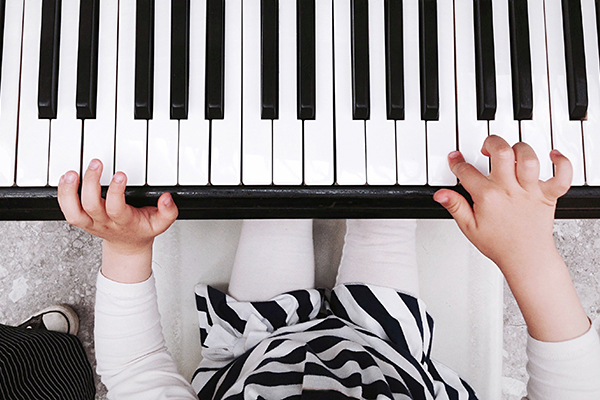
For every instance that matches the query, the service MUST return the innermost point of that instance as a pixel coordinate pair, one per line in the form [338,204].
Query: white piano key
[318,133]
[350,133]
[257,137]
[9,101]
[504,124]
[536,132]
[131,134]
[33,139]
[65,130]
[381,132]
[566,134]
[441,134]
[193,132]
[162,130]
[410,132]
[471,131]
[226,133]
[99,133]
[287,130]
[591,126]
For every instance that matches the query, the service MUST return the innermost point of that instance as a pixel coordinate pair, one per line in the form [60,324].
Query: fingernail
[454,154]
[556,152]
[168,201]
[94,164]
[119,178]
[69,178]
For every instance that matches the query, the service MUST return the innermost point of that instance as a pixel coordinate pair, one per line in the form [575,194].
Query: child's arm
[511,222]
[130,350]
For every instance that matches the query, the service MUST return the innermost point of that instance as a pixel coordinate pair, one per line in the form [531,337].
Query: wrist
[126,264]
[547,299]
[127,249]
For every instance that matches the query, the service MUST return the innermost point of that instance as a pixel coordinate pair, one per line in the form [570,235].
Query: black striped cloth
[356,341]
[40,365]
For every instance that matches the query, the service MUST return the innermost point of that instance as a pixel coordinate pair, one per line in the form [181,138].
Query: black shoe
[59,318]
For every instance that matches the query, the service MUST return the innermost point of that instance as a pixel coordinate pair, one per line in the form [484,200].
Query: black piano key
[520,57]
[575,59]
[428,54]
[144,59]
[485,69]
[360,59]
[87,59]
[269,70]
[394,54]
[180,58]
[2,9]
[215,59]
[49,56]
[306,54]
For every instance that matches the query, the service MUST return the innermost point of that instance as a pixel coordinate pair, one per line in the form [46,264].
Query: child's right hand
[511,222]
[512,217]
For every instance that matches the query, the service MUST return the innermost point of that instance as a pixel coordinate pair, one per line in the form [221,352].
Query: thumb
[458,207]
[166,215]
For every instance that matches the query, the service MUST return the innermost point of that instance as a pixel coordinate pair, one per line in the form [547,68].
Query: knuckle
[460,168]
[115,213]
[112,212]
[529,163]
[490,196]
[453,207]
[76,220]
[91,208]
[562,186]
[504,153]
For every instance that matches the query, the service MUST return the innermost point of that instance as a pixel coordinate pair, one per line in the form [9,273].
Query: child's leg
[380,252]
[273,257]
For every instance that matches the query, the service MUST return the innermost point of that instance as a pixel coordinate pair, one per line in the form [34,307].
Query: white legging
[277,256]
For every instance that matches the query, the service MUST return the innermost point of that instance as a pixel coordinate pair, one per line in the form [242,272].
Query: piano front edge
[257,202]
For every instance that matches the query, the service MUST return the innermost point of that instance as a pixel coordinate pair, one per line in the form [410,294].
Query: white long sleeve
[568,370]
[132,359]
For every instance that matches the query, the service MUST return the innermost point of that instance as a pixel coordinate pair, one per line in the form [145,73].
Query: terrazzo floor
[43,263]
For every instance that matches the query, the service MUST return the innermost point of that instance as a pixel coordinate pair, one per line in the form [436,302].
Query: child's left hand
[128,230]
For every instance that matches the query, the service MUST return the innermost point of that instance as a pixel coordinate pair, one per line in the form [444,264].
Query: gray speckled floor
[43,263]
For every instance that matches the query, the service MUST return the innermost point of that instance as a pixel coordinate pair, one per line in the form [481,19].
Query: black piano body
[235,202]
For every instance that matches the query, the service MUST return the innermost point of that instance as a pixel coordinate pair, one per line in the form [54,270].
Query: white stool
[463,291]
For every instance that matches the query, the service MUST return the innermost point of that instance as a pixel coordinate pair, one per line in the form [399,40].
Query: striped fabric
[40,364]
[357,341]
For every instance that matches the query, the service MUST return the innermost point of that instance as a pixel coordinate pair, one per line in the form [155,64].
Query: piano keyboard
[348,98]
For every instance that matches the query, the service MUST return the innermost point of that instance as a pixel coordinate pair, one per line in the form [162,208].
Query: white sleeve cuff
[124,290]
[564,370]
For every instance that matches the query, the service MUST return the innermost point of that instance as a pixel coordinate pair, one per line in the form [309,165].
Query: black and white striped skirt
[356,341]
[40,365]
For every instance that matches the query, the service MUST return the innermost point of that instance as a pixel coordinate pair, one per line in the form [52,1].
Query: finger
[458,207]
[68,199]
[502,159]
[467,174]
[528,166]
[165,216]
[91,192]
[557,186]
[116,206]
